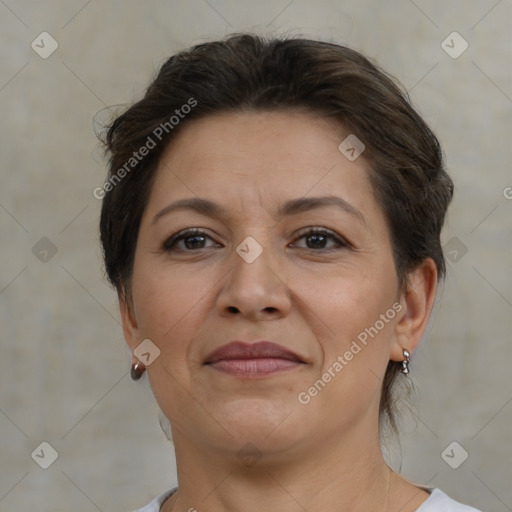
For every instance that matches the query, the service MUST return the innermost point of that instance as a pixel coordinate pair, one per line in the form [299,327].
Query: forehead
[281,154]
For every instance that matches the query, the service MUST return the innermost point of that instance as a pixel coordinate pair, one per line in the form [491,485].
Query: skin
[313,299]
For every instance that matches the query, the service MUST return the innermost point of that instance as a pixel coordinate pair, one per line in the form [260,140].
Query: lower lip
[254,368]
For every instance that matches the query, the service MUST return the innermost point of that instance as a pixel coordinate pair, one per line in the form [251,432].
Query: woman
[271,223]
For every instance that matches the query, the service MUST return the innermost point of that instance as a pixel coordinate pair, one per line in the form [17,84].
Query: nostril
[233,309]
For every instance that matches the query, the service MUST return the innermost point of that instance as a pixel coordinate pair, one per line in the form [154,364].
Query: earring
[406,361]
[137,370]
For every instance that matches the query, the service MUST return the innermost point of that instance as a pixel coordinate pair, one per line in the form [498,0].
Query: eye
[188,240]
[195,239]
[321,238]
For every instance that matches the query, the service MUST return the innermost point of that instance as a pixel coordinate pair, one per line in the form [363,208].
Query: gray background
[64,365]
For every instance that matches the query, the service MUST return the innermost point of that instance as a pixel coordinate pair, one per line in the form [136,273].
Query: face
[259,229]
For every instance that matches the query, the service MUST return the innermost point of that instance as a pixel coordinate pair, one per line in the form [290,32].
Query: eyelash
[340,242]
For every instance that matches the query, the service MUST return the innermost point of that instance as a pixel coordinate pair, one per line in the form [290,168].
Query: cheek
[350,300]
[356,349]
[357,327]
[168,307]
[166,303]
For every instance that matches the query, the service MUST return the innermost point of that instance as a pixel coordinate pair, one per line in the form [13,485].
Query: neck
[337,474]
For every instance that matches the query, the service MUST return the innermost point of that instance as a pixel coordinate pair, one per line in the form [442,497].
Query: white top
[437,502]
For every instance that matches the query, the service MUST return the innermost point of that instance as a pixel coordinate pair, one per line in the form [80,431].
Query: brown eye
[188,240]
[316,239]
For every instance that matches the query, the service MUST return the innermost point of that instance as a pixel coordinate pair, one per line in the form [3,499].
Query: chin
[264,422]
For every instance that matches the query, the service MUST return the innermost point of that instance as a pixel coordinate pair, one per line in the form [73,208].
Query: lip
[253,360]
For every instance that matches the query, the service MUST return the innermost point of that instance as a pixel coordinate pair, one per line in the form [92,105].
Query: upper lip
[257,350]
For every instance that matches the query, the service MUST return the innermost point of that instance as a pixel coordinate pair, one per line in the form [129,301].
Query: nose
[255,290]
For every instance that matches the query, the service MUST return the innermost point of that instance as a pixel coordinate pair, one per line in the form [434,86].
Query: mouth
[253,360]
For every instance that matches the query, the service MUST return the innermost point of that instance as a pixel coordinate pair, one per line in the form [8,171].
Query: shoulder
[155,505]
[440,502]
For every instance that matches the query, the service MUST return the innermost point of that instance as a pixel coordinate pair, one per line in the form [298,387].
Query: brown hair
[248,72]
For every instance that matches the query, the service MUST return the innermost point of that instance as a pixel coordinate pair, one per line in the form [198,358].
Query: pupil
[317,240]
[194,244]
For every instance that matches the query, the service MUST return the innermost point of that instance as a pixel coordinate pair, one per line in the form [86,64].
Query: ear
[129,321]
[417,302]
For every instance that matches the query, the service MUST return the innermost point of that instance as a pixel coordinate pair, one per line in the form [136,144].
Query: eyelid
[171,241]
[314,230]
[340,240]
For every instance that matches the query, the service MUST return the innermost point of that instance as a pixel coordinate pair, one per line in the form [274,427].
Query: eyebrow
[290,207]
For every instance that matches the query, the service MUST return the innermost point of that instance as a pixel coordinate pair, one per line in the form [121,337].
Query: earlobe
[417,302]
[131,332]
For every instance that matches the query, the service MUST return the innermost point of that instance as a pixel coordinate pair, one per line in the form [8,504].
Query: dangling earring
[406,361]
[137,370]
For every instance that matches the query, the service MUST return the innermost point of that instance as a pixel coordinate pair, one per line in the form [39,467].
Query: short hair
[246,72]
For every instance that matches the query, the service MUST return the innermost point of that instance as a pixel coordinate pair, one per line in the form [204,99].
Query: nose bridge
[251,263]
[252,286]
